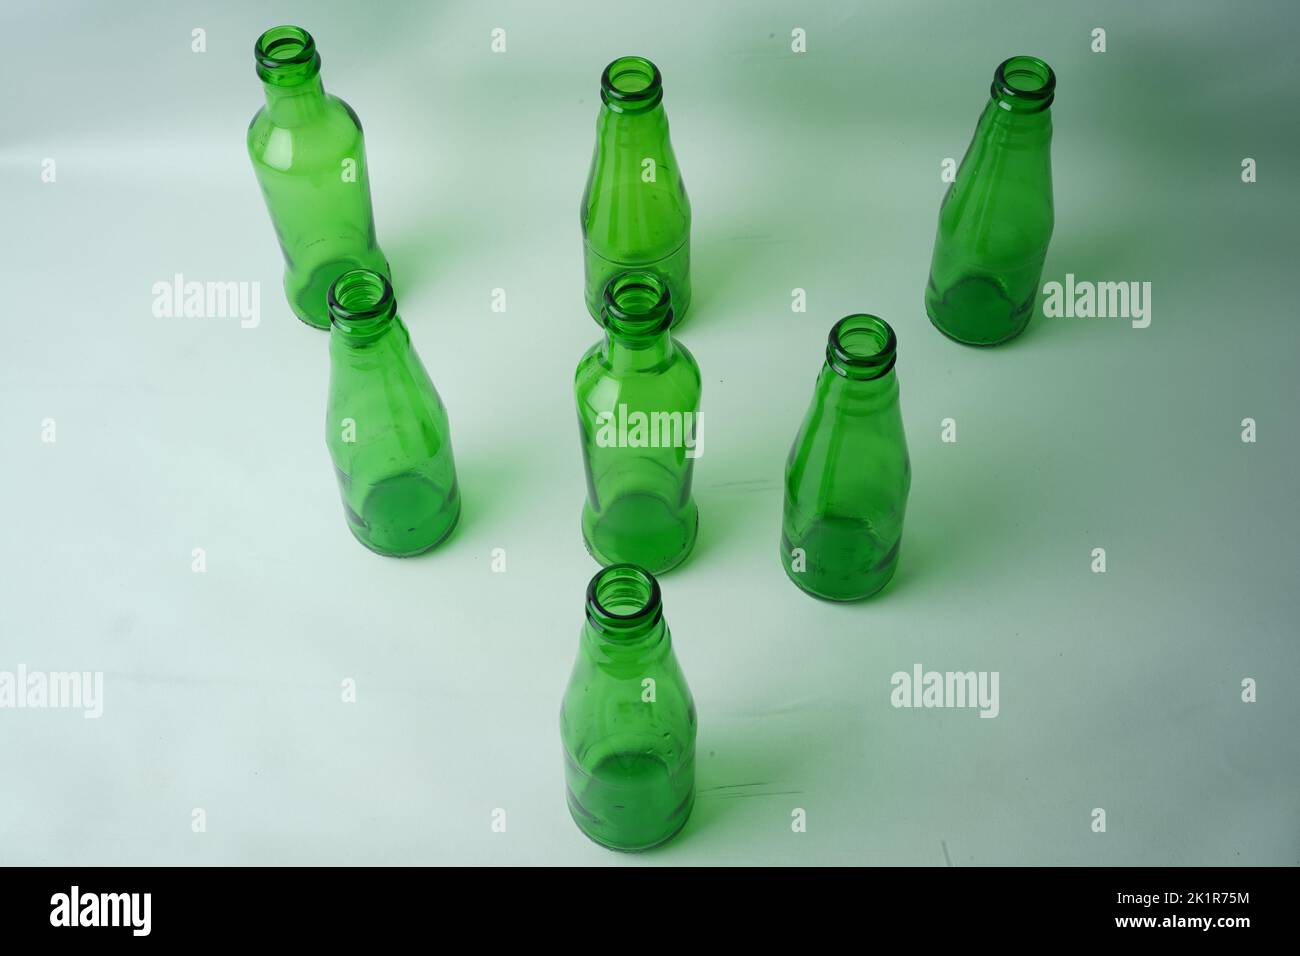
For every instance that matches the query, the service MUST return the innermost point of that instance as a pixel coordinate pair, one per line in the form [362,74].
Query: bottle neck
[631,96]
[363,313]
[373,337]
[637,353]
[859,370]
[625,628]
[297,103]
[289,68]
[637,315]
[618,128]
[1015,124]
[1020,98]
[860,396]
[626,652]
[631,86]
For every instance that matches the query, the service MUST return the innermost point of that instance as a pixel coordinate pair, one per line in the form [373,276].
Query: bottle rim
[631,84]
[358,298]
[286,55]
[622,598]
[1025,83]
[861,346]
[638,303]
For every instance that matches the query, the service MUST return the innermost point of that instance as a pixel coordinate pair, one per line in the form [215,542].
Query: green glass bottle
[635,214]
[996,218]
[638,395]
[847,477]
[386,428]
[628,721]
[310,160]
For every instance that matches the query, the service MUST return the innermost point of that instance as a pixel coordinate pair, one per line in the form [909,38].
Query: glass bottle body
[997,216]
[635,214]
[309,155]
[627,721]
[386,428]
[638,399]
[848,474]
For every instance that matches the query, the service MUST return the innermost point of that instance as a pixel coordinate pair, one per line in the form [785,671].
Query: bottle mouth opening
[286,54]
[359,296]
[631,84]
[637,303]
[862,346]
[623,596]
[1026,79]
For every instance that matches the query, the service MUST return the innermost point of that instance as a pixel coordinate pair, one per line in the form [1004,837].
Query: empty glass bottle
[386,428]
[628,721]
[635,214]
[638,395]
[310,159]
[996,218]
[847,477]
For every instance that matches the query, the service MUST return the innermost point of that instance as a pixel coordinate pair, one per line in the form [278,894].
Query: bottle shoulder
[680,373]
[342,106]
[848,442]
[282,137]
[635,193]
[388,388]
[597,681]
[687,359]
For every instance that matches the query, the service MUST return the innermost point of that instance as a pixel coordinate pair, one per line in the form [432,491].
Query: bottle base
[678,317]
[675,268]
[979,312]
[872,578]
[455,523]
[310,323]
[310,302]
[393,500]
[640,529]
[976,343]
[632,800]
[646,848]
[842,598]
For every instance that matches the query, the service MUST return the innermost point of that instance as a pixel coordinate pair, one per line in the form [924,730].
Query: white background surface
[820,171]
